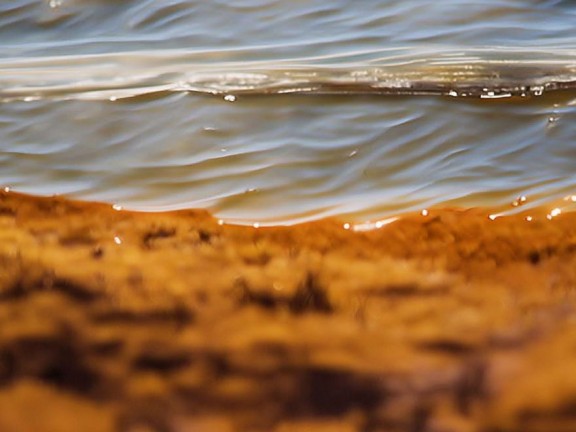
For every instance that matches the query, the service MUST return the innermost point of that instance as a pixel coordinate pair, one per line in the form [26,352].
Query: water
[278,112]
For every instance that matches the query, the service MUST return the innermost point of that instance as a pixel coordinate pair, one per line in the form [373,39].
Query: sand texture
[119,321]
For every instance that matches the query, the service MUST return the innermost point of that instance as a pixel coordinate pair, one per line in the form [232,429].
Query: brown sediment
[120,321]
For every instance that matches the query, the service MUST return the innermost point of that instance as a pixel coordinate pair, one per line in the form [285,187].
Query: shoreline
[125,321]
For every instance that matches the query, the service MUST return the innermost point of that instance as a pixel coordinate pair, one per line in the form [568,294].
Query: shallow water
[279,112]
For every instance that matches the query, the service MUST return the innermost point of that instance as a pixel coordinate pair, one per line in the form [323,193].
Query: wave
[487,73]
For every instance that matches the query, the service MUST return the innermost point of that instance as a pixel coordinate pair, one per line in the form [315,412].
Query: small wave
[487,73]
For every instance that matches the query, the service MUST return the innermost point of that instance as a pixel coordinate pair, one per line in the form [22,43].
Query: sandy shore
[119,321]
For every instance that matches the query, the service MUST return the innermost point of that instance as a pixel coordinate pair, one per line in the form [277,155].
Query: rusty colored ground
[118,321]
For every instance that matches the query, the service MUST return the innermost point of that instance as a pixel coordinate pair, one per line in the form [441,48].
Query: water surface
[279,112]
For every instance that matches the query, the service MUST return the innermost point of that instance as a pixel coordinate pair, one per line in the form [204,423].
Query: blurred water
[278,112]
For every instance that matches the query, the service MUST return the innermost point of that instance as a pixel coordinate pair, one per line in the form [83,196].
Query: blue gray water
[276,112]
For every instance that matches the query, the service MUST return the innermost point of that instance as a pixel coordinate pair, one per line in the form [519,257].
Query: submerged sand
[120,321]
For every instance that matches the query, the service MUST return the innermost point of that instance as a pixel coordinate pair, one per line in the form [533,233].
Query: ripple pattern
[279,112]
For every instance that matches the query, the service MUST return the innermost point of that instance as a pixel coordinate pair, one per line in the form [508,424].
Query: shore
[173,322]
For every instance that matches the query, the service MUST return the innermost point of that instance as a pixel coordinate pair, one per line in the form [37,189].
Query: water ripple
[278,112]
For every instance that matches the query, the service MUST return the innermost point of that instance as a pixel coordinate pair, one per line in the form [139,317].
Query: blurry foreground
[119,321]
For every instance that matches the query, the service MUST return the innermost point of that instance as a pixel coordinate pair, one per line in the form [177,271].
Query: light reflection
[370,226]
[7,189]
[117,240]
[424,213]
[256,225]
[555,212]
[117,207]
[220,222]
[529,218]
[230,98]
[346,226]
[493,217]
[521,200]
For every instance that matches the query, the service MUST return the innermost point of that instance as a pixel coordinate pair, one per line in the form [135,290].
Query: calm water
[281,111]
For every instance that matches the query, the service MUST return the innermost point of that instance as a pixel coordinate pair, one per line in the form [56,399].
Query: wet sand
[120,321]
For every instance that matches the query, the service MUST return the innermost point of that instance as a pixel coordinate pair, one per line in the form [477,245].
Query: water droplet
[453,93]
[117,240]
[7,189]
[555,212]
[346,226]
[424,212]
[230,98]
[529,218]
[521,200]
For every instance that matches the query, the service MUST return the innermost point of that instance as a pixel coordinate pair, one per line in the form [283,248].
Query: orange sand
[120,321]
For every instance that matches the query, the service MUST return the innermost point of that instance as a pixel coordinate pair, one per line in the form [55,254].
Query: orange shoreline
[124,321]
